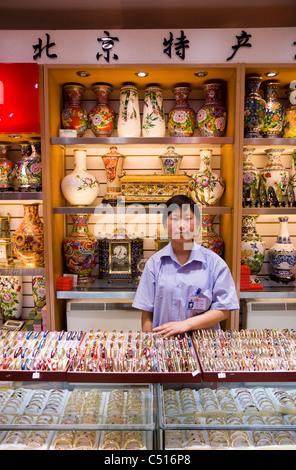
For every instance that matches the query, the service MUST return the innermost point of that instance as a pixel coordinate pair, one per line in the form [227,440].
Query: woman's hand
[171,328]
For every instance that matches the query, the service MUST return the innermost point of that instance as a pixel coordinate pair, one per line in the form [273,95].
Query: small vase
[282,255]
[113,162]
[80,188]
[170,161]
[39,291]
[211,118]
[74,116]
[153,123]
[292,182]
[254,113]
[102,116]
[251,179]
[210,239]
[6,169]
[274,110]
[11,296]
[28,238]
[80,250]
[129,123]
[252,244]
[21,172]
[181,117]
[274,177]
[28,170]
[289,123]
[206,187]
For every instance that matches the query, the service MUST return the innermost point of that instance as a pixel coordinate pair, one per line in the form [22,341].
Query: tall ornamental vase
[255,105]
[113,162]
[80,187]
[282,255]
[274,110]
[74,116]
[181,117]
[292,182]
[39,291]
[252,244]
[81,250]
[274,177]
[129,122]
[34,166]
[206,187]
[210,238]
[170,161]
[28,238]
[21,171]
[251,179]
[211,118]
[6,169]
[290,114]
[153,122]
[11,296]
[102,116]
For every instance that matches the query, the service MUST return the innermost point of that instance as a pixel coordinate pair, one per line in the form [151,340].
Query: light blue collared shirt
[165,285]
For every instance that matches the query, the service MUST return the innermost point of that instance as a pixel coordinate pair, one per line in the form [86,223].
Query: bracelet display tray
[249,376]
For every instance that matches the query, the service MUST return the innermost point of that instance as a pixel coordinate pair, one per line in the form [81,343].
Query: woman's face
[181,224]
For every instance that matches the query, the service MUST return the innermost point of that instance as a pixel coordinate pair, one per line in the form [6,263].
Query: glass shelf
[141,140]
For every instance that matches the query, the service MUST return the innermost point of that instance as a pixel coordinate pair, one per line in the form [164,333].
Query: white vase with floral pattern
[252,244]
[274,177]
[153,122]
[129,122]
[282,255]
[80,188]
[11,296]
[206,187]
[251,178]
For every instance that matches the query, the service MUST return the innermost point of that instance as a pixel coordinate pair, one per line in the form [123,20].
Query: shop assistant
[184,286]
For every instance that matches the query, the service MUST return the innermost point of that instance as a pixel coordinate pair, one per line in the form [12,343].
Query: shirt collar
[195,255]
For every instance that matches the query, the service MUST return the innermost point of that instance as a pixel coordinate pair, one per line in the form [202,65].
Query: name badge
[195,302]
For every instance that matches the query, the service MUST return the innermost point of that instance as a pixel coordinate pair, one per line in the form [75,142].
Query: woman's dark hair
[180,201]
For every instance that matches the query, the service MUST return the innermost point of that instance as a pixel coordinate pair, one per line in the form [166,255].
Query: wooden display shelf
[20,196]
[207,141]
[118,210]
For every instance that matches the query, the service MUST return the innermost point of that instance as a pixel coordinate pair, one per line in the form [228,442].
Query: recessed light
[201,73]
[142,74]
[271,74]
[83,73]
[14,136]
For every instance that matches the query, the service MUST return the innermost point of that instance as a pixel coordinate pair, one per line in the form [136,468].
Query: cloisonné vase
[170,161]
[153,122]
[292,182]
[206,187]
[80,250]
[80,187]
[211,117]
[6,169]
[255,105]
[274,177]
[181,117]
[290,116]
[252,244]
[11,296]
[74,116]
[113,162]
[39,291]
[282,255]
[274,110]
[28,238]
[102,116]
[210,238]
[251,179]
[28,170]
[129,122]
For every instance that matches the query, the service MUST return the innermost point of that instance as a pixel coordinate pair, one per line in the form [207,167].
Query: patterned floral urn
[181,117]
[252,244]
[6,169]
[28,238]
[282,255]
[206,187]
[210,238]
[274,110]
[153,122]
[74,116]
[80,188]
[255,105]
[102,116]
[129,122]
[11,296]
[290,114]
[251,179]
[39,291]
[211,118]
[113,162]
[170,161]
[274,177]
[81,250]
[28,170]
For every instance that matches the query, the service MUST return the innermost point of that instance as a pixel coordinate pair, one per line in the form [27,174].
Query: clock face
[120,257]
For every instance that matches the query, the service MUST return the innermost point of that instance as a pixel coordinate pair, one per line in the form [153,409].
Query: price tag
[36,375]
[195,372]
[221,375]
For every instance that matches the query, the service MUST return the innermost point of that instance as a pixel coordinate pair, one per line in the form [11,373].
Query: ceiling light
[14,136]
[142,74]
[83,73]
[201,73]
[271,74]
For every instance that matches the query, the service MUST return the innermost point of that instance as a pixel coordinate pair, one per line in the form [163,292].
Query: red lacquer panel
[19,99]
